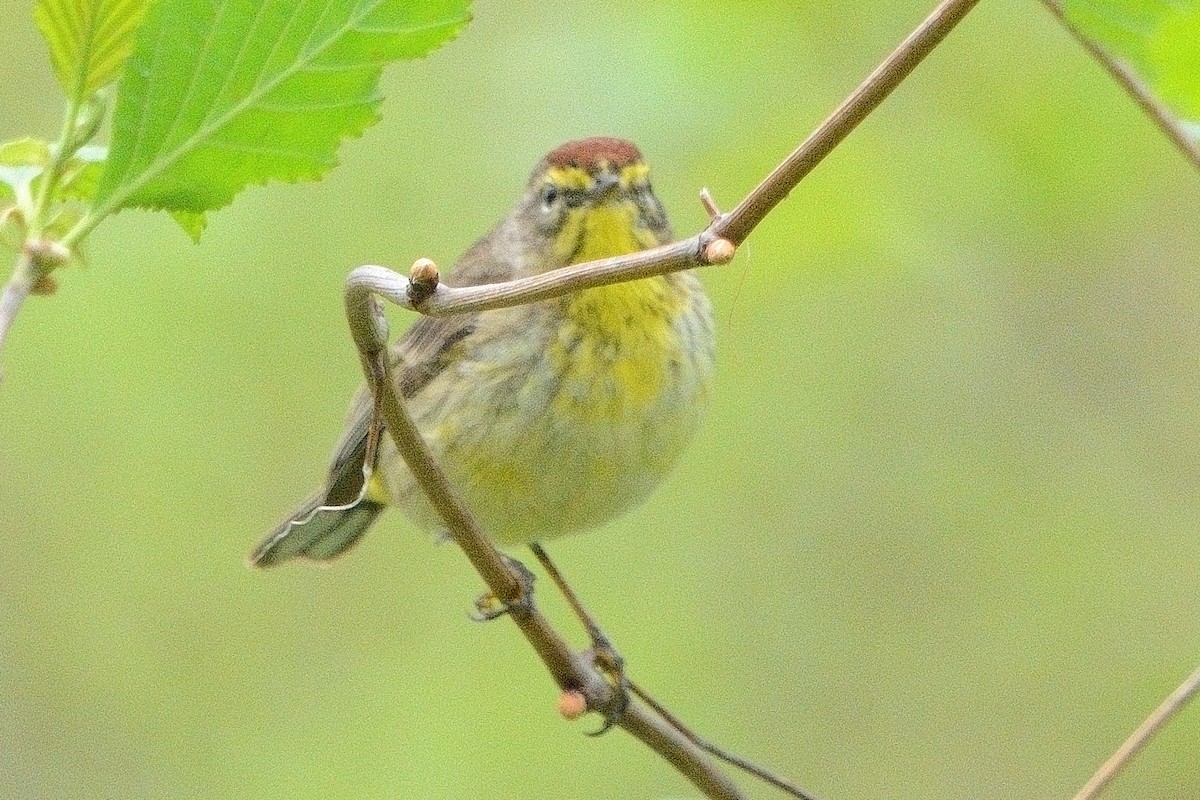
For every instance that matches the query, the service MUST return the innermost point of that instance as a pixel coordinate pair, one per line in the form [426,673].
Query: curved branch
[695,251]
[423,293]
[569,669]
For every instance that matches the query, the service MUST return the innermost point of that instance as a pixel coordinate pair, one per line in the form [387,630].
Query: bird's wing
[333,519]
[421,354]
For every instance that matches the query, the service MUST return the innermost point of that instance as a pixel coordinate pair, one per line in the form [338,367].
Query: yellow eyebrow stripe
[633,175]
[580,180]
[569,178]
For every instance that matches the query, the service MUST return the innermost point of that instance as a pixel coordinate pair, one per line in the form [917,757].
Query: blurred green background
[938,538]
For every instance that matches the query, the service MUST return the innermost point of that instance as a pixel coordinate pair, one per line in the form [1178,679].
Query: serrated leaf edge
[208,131]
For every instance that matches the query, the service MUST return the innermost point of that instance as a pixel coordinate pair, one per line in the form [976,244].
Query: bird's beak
[604,185]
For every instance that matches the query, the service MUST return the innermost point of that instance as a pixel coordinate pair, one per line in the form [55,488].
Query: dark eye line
[572,198]
[575,197]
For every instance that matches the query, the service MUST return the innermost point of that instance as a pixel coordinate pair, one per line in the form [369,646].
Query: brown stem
[1162,116]
[570,670]
[1139,738]
[24,275]
[763,774]
[737,224]
[734,226]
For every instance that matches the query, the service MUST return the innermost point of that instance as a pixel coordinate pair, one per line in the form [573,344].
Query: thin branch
[737,224]
[37,254]
[446,300]
[764,775]
[569,669]
[1139,738]
[16,291]
[572,671]
[1169,124]
[1162,116]
[734,226]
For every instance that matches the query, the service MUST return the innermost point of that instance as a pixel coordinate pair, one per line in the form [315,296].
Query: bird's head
[590,199]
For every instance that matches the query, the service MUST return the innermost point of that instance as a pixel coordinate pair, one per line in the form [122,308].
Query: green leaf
[220,94]
[89,40]
[192,222]
[1158,39]
[1175,54]
[22,152]
[81,175]
[21,162]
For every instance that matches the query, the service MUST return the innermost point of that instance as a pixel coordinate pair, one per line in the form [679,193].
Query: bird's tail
[317,532]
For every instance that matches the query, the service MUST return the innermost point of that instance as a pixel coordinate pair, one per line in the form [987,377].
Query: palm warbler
[550,417]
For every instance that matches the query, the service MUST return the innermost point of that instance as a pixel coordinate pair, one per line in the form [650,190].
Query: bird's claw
[488,606]
[612,665]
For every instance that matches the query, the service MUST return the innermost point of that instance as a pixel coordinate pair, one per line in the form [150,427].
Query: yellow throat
[616,341]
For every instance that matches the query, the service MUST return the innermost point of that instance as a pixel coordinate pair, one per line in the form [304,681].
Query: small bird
[551,417]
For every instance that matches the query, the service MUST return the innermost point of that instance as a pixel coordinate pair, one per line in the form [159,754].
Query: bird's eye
[549,195]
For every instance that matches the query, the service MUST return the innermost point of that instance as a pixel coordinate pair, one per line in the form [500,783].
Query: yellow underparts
[616,342]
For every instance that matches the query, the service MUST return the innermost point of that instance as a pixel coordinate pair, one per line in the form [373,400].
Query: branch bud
[45,284]
[719,251]
[710,205]
[12,227]
[572,705]
[46,255]
[422,280]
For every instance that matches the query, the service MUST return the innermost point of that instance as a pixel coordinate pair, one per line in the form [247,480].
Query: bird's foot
[488,606]
[612,665]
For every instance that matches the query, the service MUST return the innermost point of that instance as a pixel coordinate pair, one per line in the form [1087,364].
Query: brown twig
[764,775]
[31,275]
[16,292]
[1162,116]
[1139,738]
[710,204]
[737,224]
[689,253]
[570,670]
[1167,122]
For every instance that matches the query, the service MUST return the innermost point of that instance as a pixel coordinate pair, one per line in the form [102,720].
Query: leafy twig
[715,245]
[1162,116]
[37,256]
[1139,738]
